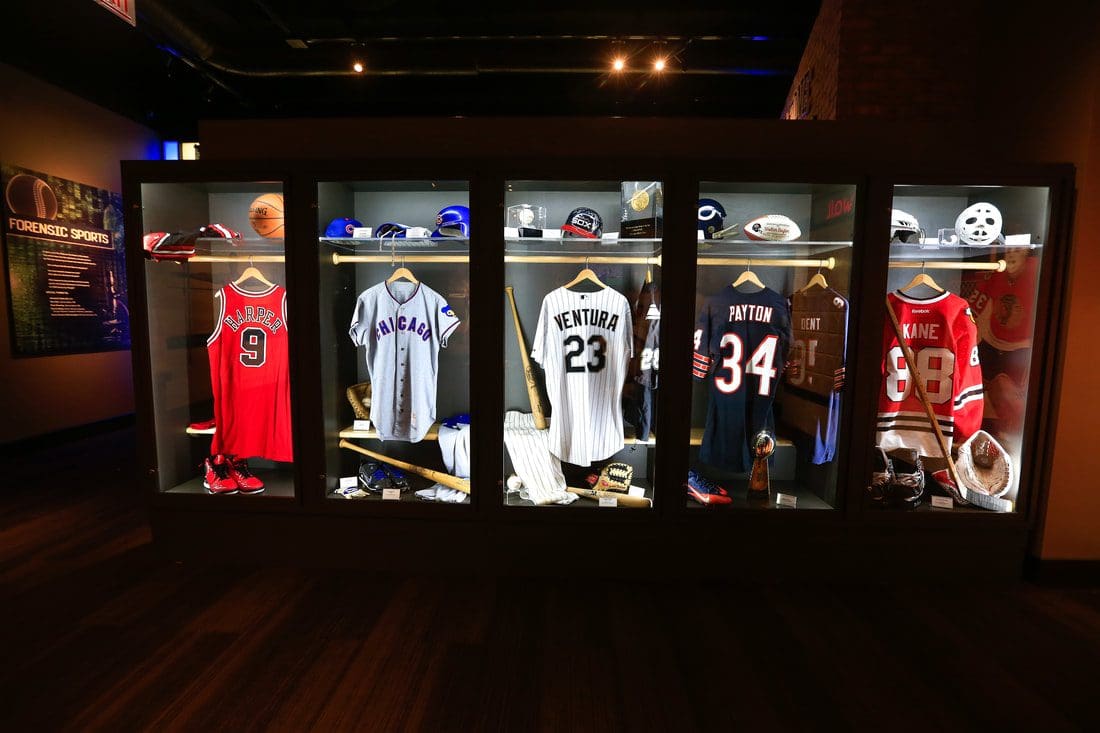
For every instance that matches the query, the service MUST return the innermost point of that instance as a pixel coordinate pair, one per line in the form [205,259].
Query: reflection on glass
[770,344]
[957,345]
[584,300]
[218,337]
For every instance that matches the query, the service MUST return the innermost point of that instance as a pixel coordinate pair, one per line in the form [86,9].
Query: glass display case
[218,344]
[770,344]
[394,287]
[582,281]
[957,346]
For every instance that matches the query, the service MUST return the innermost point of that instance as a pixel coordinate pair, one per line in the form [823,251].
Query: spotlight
[659,64]
[357,67]
[618,64]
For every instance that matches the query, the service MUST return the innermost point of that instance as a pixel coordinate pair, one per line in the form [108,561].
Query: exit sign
[122,8]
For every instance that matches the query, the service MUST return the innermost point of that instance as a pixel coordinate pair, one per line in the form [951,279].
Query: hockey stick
[911,364]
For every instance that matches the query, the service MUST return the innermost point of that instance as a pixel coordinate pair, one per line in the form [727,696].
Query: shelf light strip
[339,259]
[998,266]
[826,264]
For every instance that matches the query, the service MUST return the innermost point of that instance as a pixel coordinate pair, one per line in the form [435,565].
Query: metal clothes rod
[237,258]
[998,266]
[826,264]
[338,258]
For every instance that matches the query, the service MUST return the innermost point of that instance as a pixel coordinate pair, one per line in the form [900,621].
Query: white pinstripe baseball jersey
[403,325]
[583,342]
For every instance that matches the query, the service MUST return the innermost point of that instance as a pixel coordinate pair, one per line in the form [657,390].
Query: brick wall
[813,94]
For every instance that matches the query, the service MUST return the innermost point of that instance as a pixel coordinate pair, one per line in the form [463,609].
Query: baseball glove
[615,477]
[359,397]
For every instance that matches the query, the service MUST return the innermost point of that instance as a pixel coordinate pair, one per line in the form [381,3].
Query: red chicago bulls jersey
[941,332]
[249,374]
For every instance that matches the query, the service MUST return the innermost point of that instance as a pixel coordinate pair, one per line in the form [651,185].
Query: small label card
[361,425]
[942,502]
[391,494]
[609,501]
[348,482]
[786,500]
[636,491]
[361,232]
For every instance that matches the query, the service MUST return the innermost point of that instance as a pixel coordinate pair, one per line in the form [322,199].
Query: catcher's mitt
[359,397]
[615,477]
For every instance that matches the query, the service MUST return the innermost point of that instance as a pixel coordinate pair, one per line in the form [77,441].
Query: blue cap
[341,226]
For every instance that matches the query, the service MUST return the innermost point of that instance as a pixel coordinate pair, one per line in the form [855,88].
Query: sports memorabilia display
[979,224]
[712,217]
[741,344]
[452,221]
[266,215]
[584,223]
[772,228]
[763,445]
[943,338]
[583,342]
[639,394]
[402,325]
[905,228]
[341,227]
[250,374]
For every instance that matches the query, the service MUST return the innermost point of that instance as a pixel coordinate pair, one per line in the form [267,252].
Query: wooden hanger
[253,272]
[402,272]
[817,279]
[748,276]
[922,278]
[585,274]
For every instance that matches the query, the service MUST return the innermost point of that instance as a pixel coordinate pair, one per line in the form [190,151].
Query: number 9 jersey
[741,346]
[249,374]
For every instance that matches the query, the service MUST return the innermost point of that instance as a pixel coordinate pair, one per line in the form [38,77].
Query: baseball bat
[634,502]
[918,380]
[439,477]
[528,374]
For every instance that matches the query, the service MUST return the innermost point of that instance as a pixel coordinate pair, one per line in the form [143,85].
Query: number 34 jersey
[249,374]
[741,346]
[583,342]
[943,337]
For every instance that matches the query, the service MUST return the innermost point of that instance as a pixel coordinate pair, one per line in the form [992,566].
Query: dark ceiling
[194,59]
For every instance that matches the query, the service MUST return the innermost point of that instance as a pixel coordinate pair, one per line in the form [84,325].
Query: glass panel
[582,264]
[964,271]
[218,337]
[770,344]
[395,358]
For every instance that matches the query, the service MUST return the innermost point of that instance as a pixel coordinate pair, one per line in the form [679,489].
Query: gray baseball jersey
[403,325]
[583,342]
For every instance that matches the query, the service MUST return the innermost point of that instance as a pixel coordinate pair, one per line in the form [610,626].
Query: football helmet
[712,217]
[979,224]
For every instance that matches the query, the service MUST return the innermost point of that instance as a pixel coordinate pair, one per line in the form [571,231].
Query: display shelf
[824,264]
[197,432]
[376,244]
[235,257]
[339,259]
[255,245]
[739,493]
[998,266]
[277,483]
[416,483]
[581,243]
[513,499]
[751,248]
[372,434]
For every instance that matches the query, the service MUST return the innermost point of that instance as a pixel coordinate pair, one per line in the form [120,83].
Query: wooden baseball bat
[918,380]
[528,374]
[634,502]
[439,477]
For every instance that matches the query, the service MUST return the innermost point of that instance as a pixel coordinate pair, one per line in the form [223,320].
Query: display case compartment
[182,291]
[348,268]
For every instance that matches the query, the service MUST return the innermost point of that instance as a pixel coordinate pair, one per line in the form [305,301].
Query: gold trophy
[763,445]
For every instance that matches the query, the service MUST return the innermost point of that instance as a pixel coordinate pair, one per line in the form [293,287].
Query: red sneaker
[246,481]
[216,478]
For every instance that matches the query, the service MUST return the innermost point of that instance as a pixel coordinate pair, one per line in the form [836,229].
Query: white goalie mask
[979,224]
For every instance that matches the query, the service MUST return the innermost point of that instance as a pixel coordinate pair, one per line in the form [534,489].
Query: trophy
[643,206]
[763,445]
[527,219]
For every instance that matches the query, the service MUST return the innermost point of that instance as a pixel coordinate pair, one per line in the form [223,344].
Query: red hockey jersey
[944,339]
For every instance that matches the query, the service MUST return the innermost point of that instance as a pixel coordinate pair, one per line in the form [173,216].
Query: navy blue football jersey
[741,345]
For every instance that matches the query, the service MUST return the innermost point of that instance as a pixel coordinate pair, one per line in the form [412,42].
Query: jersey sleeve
[538,350]
[446,320]
[969,399]
[702,359]
[362,319]
[628,331]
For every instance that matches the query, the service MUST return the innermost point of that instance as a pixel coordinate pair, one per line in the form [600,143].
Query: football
[772,228]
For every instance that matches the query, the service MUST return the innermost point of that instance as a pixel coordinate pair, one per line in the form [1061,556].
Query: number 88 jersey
[944,340]
[741,346]
[249,374]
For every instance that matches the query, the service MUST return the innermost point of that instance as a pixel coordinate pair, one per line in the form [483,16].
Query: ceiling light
[357,67]
[618,64]
[659,64]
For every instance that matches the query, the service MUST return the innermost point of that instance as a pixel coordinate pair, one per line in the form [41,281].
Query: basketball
[266,215]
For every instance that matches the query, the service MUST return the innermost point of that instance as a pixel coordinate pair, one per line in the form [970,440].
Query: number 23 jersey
[943,337]
[583,342]
[741,346]
[249,374]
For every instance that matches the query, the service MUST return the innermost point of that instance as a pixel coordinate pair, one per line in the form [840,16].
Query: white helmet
[904,227]
[979,224]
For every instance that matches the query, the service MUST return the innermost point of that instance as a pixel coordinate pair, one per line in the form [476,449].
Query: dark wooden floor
[99,633]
